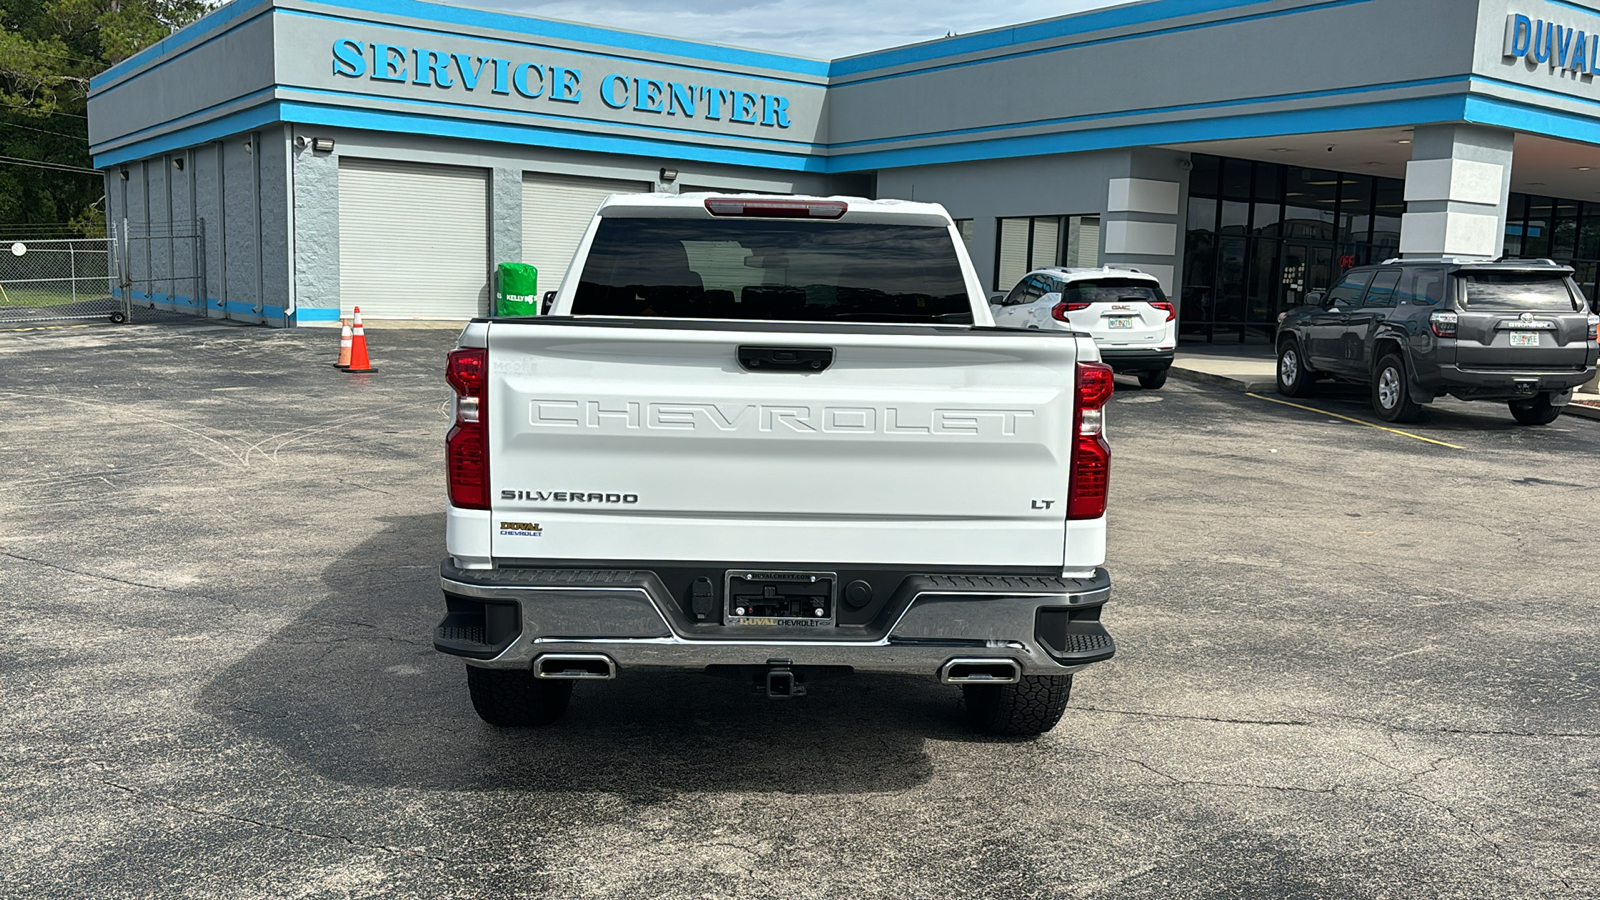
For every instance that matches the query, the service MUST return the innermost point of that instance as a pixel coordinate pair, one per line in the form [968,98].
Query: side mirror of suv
[1314,298]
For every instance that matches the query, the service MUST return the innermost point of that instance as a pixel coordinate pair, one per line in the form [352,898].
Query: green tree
[48,51]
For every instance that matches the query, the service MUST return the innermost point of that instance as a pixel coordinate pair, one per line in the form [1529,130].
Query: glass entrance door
[1305,268]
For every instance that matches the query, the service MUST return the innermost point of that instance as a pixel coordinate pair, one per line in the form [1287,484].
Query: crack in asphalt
[147,797]
[1220,720]
[1292,723]
[112,578]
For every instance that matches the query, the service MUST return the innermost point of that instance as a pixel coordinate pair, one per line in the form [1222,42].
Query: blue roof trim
[788,145]
[372,120]
[210,130]
[1158,110]
[1510,114]
[591,34]
[1382,114]
[1577,6]
[1132,14]
[189,33]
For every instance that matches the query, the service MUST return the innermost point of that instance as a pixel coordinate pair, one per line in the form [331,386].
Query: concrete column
[1457,184]
[1141,226]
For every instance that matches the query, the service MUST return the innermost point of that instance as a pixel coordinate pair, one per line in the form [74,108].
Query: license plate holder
[1524,338]
[1117,322]
[778,599]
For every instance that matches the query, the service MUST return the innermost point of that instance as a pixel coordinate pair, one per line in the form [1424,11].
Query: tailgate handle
[785,359]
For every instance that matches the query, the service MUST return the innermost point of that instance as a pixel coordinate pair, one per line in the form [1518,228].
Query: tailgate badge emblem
[1526,317]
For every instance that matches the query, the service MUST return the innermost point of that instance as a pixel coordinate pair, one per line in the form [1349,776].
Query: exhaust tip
[981,671]
[575,666]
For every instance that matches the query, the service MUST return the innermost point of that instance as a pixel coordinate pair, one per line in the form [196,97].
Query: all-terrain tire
[513,698]
[1391,391]
[1536,411]
[1294,379]
[1151,381]
[1030,707]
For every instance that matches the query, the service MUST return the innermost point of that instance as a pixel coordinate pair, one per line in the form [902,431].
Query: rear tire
[1294,379]
[1537,411]
[1151,381]
[1391,391]
[513,698]
[1028,708]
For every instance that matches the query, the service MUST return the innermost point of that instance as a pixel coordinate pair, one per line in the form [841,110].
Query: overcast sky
[825,29]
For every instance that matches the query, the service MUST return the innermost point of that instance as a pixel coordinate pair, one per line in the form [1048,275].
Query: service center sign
[524,82]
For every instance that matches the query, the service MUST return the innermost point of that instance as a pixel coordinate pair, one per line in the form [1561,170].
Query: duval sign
[557,84]
[1554,45]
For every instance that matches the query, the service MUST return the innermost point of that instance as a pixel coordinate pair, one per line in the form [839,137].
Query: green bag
[518,293]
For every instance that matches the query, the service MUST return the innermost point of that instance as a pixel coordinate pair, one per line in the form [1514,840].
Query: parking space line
[1357,421]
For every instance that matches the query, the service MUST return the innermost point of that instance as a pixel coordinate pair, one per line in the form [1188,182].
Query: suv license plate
[1127,322]
[1524,338]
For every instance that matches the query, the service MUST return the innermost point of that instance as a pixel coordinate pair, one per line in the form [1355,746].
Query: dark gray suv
[1518,331]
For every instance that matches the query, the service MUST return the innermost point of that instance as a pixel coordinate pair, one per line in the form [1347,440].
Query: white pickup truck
[779,438]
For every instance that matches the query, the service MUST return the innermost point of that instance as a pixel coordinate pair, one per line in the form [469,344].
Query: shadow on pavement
[354,690]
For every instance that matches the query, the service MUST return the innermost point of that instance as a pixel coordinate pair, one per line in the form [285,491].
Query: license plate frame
[1120,323]
[740,603]
[1524,338]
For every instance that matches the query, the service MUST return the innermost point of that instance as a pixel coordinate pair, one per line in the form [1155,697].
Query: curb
[1242,383]
[1582,411]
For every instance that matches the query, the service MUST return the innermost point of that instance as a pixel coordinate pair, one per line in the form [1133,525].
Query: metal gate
[164,263]
[54,279]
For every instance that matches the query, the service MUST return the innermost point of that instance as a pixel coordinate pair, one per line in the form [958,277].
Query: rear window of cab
[1519,292]
[1112,290]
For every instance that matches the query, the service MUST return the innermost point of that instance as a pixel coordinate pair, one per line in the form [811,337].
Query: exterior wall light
[178,164]
[124,174]
[669,175]
[322,145]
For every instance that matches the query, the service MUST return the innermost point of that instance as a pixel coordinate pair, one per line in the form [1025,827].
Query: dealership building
[282,161]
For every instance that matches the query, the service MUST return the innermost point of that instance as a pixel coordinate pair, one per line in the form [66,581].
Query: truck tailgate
[649,441]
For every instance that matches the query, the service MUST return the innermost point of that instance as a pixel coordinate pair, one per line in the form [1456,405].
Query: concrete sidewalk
[1252,367]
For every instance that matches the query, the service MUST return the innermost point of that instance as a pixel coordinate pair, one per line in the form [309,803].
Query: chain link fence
[50,276]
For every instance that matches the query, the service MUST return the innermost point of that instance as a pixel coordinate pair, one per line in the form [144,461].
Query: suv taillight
[1166,307]
[1443,323]
[1060,310]
[466,447]
[1091,455]
[1594,328]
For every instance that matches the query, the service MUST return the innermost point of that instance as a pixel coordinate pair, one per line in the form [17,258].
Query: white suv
[1123,309]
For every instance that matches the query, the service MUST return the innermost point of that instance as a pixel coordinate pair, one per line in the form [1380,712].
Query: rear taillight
[1443,323]
[1060,310]
[1594,328]
[1091,455]
[466,447]
[1166,307]
[777,209]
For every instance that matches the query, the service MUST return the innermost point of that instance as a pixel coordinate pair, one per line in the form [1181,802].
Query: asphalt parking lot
[1352,663]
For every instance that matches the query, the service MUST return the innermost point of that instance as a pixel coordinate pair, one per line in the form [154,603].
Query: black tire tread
[1304,385]
[1152,381]
[1408,409]
[1030,707]
[1538,411]
[513,698]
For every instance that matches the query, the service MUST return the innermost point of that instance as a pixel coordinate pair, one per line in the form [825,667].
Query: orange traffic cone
[345,343]
[358,347]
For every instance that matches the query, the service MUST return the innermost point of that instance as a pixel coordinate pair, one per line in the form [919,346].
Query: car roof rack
[1469,260]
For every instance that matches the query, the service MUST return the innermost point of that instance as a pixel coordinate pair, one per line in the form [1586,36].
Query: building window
[1029,242]
[1260,237]
[1567,231]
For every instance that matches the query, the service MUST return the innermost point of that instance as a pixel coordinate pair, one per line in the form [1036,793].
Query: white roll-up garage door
[555,211]
[413,240]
